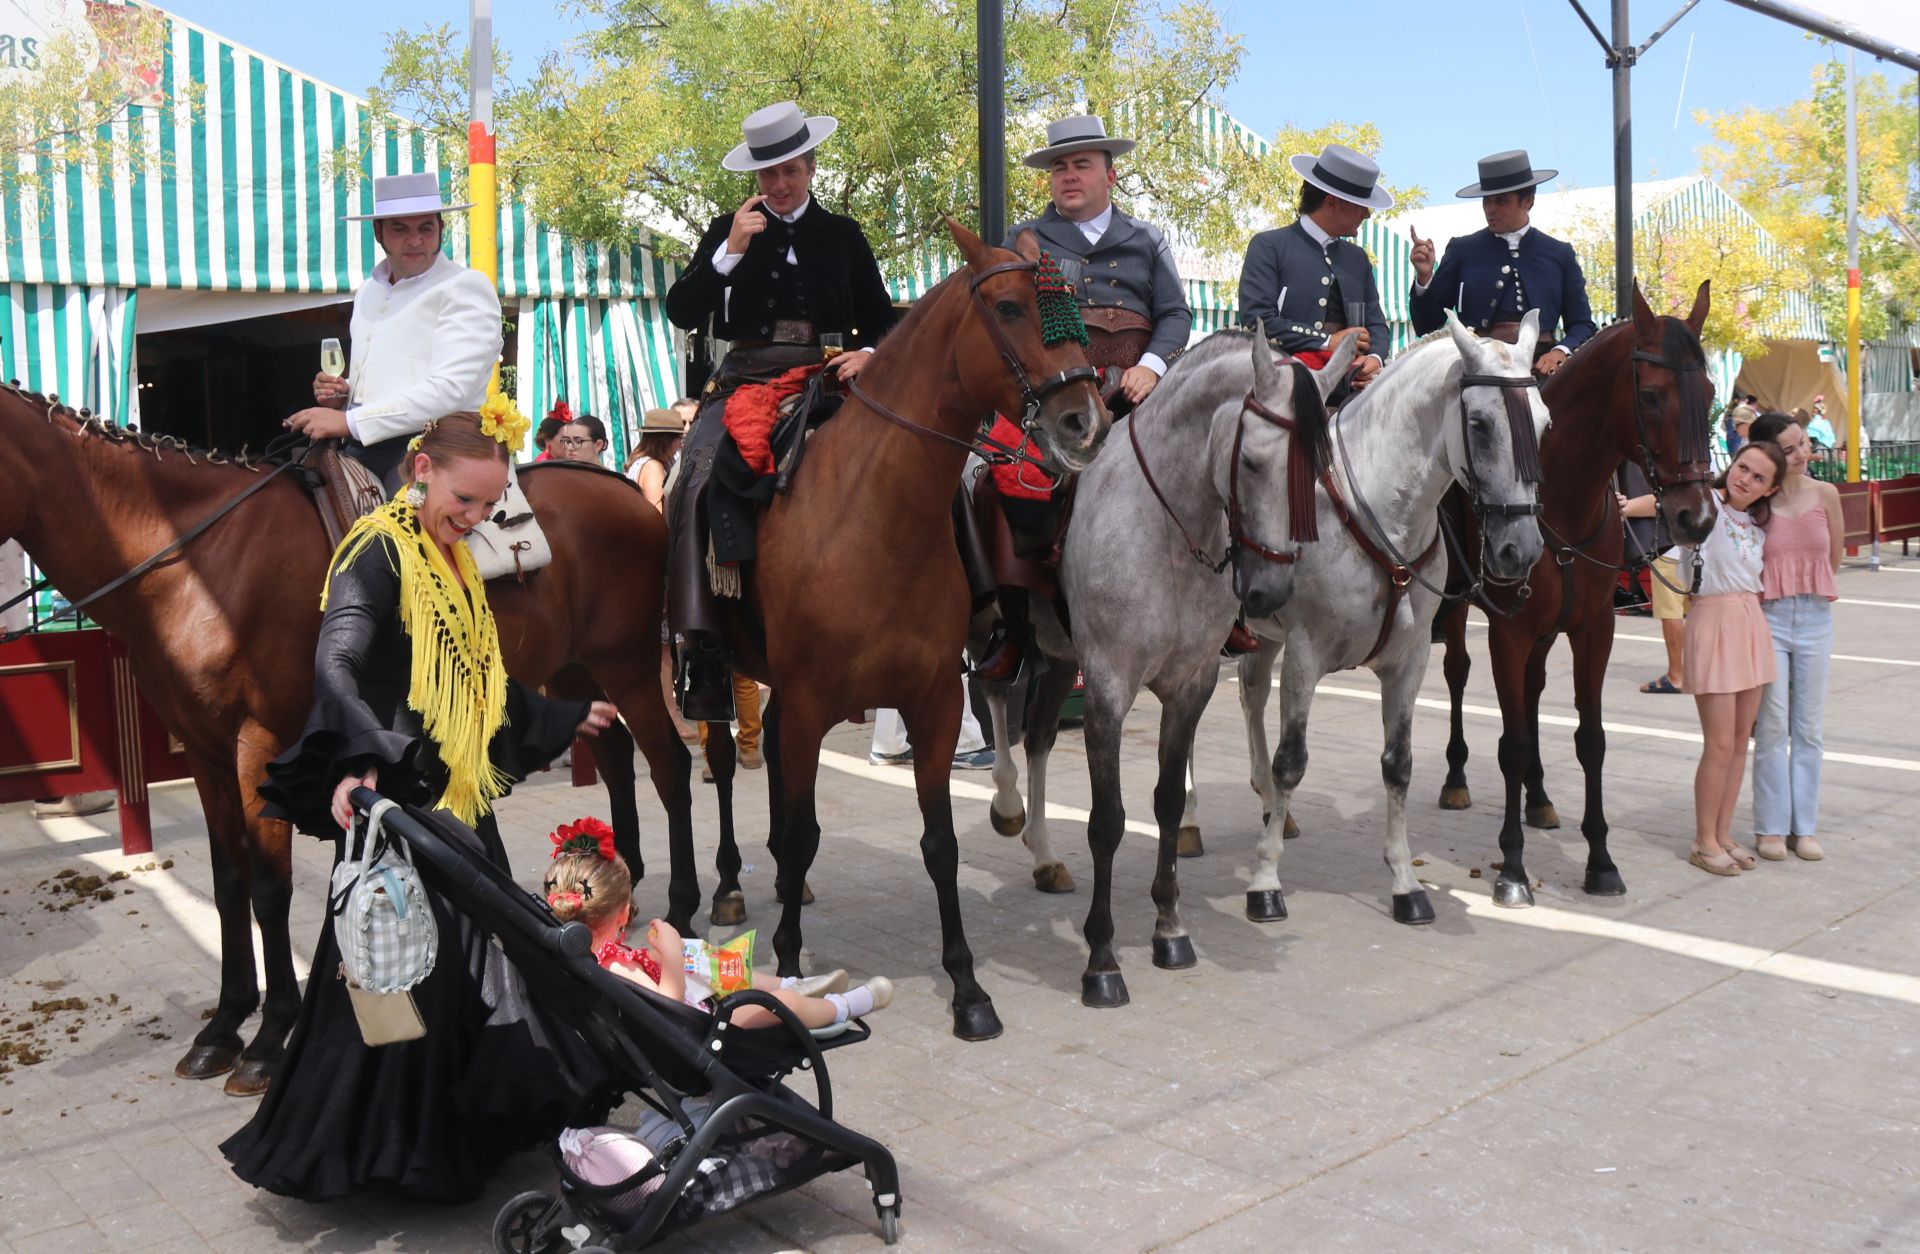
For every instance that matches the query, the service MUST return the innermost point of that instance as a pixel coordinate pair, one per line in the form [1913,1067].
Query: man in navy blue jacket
[1492,277]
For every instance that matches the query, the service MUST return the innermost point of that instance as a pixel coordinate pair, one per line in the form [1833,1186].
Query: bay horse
[1638,390]
[221,636]
[1219,451]
[857,599]
[1452,410]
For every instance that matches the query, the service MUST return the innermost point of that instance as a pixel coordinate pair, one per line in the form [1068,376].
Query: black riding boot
[706,681]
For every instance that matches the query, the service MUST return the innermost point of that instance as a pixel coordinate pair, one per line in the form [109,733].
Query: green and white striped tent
[238,214]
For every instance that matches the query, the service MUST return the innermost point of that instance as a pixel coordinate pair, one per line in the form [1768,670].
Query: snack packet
[724,968]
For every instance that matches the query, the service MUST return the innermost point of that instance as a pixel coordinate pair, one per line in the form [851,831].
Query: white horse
[1203,471]
[1366,594]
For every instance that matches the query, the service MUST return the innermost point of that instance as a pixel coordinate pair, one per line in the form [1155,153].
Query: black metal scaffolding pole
[991,33]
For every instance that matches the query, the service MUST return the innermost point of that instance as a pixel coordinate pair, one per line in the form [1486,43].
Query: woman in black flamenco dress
[430,1118]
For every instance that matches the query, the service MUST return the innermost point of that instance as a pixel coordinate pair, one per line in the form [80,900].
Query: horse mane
[93,425]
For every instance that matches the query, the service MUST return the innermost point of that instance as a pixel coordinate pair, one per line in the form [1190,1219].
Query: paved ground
[1703,1064]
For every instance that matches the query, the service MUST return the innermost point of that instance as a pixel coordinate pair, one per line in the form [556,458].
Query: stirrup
[1004,659]
[706,691]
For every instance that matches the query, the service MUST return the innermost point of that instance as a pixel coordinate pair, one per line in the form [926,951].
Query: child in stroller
[587,880]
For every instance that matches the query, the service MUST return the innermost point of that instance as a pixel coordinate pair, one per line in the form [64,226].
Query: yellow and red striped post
[483,224]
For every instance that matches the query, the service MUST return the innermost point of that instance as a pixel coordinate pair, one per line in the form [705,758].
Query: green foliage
[628,131]
[1788,167]
[63,112]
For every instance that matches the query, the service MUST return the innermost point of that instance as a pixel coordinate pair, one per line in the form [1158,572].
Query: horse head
[1672,398]
[1266,465]
[1004,356]
[1494,450]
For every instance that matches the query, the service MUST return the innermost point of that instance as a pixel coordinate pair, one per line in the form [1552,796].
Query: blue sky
[1447,83]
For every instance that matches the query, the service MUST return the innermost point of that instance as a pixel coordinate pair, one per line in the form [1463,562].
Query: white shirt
[1730,557]
[423,348]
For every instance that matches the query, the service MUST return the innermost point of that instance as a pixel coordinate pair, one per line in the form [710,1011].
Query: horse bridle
[991,450]
[1237,539]
[1690,471]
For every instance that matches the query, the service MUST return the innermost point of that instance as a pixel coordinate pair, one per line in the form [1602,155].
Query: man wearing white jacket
[426,334]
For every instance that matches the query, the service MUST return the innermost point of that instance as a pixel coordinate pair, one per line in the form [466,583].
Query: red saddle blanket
[754,408]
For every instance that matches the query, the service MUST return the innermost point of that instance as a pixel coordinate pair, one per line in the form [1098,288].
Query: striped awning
[75,343]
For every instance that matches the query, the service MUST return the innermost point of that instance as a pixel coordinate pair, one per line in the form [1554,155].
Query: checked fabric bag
[381,917]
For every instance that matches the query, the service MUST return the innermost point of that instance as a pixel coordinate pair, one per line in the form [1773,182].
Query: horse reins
[991,450]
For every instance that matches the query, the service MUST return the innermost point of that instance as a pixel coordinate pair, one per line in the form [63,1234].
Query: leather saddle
[343,489]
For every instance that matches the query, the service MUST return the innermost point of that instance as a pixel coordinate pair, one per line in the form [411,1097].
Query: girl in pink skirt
[1729,652]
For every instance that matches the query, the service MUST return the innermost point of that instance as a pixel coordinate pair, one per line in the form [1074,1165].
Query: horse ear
[1327,377]
[1462,338]
[1028,245]
[1529,337]
[1702,302]
[1645,325]
[969,244]
[1266,379]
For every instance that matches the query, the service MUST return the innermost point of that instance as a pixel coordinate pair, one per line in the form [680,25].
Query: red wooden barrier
[1897,510]
[1856,509]
[72,721]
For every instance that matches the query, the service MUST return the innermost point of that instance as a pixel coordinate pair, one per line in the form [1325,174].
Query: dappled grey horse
[1452,408]
[1200,484]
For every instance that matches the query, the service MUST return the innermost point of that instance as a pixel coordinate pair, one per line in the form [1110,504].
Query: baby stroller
[726,1129]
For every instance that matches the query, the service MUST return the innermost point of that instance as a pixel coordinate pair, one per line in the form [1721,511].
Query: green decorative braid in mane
[1059,311]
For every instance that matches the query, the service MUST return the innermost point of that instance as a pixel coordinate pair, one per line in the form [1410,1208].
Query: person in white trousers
[890,747]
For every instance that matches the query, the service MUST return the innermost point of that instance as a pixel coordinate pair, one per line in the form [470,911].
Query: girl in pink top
[1804,542]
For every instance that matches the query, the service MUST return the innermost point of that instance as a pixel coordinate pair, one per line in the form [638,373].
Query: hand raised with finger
[748,222]
[1422,256]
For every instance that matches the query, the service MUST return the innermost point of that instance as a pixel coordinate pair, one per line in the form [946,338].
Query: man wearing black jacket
[771,278]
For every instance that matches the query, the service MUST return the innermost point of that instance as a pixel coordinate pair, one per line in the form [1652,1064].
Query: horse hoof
[1456,797]
[1605,883]
[250,1078]
[203,1062]
[1008,824]
[1173,953]
[1104,991]
[1266,905]
[1292,829]
[729,909]
[1053,877]
[977,1022]
[1513,894]
[1543,816]
[1412,907]
[806,895]
[1187,843]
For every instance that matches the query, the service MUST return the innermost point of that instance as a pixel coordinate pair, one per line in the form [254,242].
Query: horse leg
[1540,809]
[1256,685]
[1456,665]
[1399,685]
[217,1045]
[729,901]
[1007,813]
[1179,717]
[1512,888]
[612,753]
[270,889]
[633,686]
[1102,985]
[793,732]
[1266,902]
[1591,650]
[1188,843]
[1049,690]
[933,725]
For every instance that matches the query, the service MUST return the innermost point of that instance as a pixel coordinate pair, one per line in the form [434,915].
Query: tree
[66,99]
[1788,167]
[629,133]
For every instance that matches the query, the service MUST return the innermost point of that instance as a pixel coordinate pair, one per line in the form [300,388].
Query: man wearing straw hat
[1309,283]
[1122,271]
[426,334]
[1492,277]
[771,278]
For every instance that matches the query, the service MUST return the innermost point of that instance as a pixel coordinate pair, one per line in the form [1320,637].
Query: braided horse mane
[92,425]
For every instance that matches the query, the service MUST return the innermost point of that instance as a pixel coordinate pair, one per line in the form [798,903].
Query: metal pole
[1622,57]
[990,31]
[483,224]
[1853,282]
[1840,32]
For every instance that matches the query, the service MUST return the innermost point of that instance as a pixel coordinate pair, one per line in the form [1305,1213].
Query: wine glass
[332,359]
[832,344]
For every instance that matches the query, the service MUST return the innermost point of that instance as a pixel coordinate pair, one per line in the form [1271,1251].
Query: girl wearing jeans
[1804,541]
[1729,656]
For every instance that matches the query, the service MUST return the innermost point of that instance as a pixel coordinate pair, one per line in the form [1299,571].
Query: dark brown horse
[857,598]
[222,633]
[1637,391]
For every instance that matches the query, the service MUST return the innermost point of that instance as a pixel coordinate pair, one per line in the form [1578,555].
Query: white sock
[841,1012]
[788,981]
[853,1003]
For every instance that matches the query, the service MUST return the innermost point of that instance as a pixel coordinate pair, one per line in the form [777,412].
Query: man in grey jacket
[1131,299]
[1309,282]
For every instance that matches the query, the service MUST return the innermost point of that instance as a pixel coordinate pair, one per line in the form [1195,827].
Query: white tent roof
[1556,213]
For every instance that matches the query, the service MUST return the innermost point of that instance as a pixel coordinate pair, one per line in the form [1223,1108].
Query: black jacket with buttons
[1290,263]
[835,284]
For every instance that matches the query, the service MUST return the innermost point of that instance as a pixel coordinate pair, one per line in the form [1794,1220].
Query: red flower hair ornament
[562,411]
[588,835]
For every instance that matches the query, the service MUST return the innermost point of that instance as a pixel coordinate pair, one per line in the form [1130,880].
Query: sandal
[1742,856]
[1806,847]
[1717,864]
[1772,848]
[1660,687]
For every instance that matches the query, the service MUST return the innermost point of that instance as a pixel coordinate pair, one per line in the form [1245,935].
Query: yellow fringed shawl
[459,682]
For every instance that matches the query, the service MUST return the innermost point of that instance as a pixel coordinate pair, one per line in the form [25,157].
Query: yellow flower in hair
[499,419]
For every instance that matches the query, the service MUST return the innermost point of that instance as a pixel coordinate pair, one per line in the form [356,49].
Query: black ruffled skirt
[431,1119]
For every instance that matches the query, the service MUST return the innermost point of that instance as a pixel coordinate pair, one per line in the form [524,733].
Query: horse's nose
[1075,425]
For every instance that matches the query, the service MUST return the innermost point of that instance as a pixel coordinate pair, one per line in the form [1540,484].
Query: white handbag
[381,916]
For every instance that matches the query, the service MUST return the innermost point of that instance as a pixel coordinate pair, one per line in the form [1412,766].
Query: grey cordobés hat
[1505,172]
[779,132]
[1340,171]
[1081,133]
[405,196]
